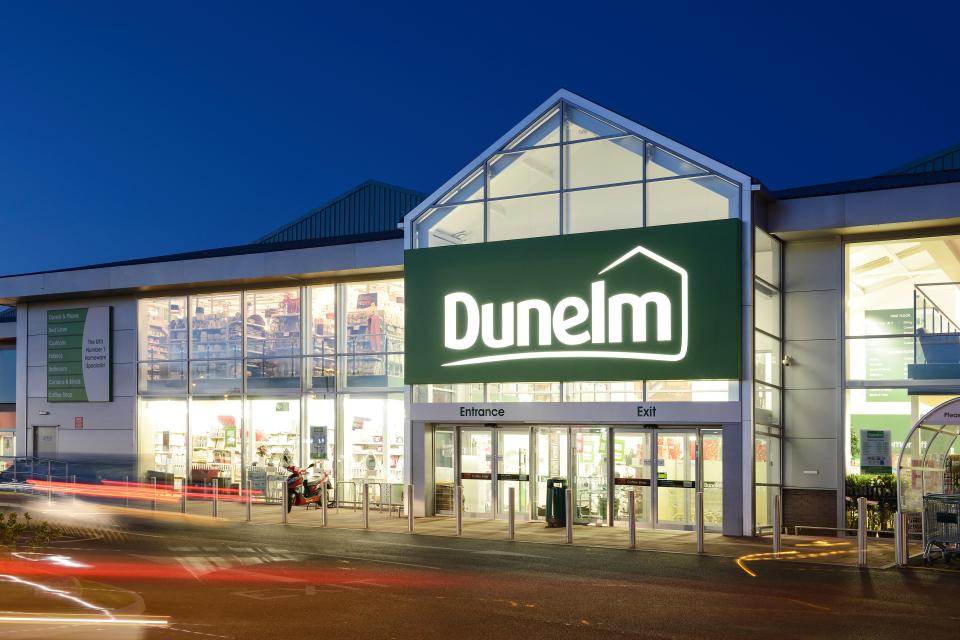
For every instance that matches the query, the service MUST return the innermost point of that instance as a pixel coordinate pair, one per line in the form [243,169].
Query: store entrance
[662,466]
[491,462]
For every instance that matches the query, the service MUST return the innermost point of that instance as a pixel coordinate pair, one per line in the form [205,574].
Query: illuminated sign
[655,303]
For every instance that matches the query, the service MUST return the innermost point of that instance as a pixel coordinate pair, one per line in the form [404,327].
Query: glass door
[676,480]
[632,462]
[444,439]
[476,471]
[552,461]
[590,479]
[513,470]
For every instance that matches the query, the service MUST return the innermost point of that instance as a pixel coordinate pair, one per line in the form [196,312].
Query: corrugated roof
[944,160]
[371,207]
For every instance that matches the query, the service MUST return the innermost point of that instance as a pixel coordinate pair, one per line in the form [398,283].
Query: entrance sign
[875,454]
[654,303]
[79,355]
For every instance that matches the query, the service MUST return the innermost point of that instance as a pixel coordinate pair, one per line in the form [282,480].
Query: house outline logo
[680,354]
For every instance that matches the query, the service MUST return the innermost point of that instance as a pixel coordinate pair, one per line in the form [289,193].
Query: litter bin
[556,502]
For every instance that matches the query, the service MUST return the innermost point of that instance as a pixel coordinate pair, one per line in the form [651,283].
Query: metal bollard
[49,486]
[901,539]
[632,518]
[410,508]
[862,532]
[216,497]
[569,508]
[323,505]
[366,505]
[511,533]
[74,489]
[458,507]
[153,503]
[286,498]
[126,491]
[777,524]
[699,521]
[183,496]
[249,502]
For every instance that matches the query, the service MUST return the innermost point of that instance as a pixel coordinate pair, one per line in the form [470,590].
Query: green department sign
[79,355]
[661,303]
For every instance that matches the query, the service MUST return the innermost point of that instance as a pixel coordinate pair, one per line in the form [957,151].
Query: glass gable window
[571,171]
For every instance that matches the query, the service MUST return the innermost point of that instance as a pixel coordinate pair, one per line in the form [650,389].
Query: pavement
[169,575]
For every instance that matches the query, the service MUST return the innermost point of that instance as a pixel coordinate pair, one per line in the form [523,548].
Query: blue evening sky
[130,129]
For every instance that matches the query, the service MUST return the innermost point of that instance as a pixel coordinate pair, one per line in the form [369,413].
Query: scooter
[301,492]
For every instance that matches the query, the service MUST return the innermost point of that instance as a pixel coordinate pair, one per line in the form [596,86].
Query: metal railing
[24,468]
[934,330]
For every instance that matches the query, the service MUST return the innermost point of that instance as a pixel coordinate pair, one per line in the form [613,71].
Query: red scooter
[301,492]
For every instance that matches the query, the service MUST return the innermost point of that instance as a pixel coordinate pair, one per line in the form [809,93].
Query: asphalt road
[258,581]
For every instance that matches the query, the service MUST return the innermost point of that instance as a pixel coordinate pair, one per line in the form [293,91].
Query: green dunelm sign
[660,303]
[79,355]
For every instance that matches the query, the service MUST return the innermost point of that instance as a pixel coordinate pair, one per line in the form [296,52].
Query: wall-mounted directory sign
[79,355]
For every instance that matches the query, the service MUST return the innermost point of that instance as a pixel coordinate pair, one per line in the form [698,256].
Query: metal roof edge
[877,183]
[223,252]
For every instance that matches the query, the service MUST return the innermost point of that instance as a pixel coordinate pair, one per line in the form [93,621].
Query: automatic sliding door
[590,480]
[513,470]
[633,457]
[676,479]
[553,449]
[476,471]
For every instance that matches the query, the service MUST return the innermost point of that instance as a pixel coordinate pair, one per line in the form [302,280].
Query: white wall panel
[813,463]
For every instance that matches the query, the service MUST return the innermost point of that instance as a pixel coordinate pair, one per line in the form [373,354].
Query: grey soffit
[899,181]
[240,250]
[370,207]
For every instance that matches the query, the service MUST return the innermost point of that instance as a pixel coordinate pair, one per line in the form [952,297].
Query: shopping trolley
[942,515]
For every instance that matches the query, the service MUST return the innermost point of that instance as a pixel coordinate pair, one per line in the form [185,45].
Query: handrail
[919,289]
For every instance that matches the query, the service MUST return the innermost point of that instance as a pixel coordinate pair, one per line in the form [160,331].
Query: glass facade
[767,375]
[236,384]
[572,172]
[894,289]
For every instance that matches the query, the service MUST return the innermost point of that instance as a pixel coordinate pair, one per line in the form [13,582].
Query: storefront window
[766,358]
[373,345]
[767,309]
[320,435]
[712,475]
[162,434]
[275,425]
[471,392]
[323,322]
[451,225]
[693,391]
[216,328]
[885,282]
[766,404]
[164,378]
[523,392]
[216,442]
[603,391]
[373,438]
[219,377]
[663,164]
[163,329]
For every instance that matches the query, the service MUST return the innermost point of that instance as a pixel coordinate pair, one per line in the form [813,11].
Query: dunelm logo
[535,329]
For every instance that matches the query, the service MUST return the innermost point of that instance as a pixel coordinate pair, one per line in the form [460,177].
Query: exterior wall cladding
[814,223]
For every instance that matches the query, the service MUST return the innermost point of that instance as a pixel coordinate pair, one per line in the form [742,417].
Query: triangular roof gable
[592,108]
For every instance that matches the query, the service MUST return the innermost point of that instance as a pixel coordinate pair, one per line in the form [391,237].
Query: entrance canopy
[928,462]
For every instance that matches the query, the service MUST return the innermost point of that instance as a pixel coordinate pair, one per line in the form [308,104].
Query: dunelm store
[588,300]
